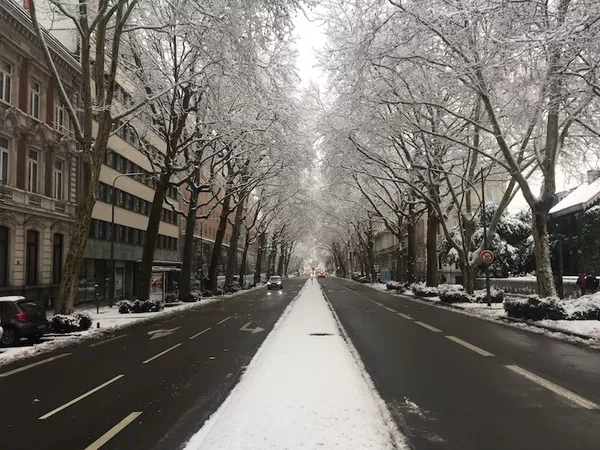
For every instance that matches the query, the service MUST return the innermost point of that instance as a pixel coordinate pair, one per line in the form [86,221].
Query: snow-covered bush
[395,286]
[496,296]
[139,306]
[68,323]
[584,308]
[420,290]
[171,297]
[454,296]
[534,308]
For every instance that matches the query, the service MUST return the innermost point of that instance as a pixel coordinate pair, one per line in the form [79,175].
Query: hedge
[69,323]
[535,308]
[139,306]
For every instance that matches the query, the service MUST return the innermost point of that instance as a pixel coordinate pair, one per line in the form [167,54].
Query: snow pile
[578,200]
[584,308]
[302,390]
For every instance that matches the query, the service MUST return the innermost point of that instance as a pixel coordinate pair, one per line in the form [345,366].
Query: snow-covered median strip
[302,390]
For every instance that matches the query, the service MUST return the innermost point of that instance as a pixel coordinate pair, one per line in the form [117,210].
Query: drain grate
[321,334]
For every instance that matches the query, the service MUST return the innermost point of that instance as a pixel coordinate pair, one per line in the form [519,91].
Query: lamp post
[112,232]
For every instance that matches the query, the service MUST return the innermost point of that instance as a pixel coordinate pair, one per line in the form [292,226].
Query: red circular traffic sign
[486,257]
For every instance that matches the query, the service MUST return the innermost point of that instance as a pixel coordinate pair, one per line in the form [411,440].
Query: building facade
[38,159]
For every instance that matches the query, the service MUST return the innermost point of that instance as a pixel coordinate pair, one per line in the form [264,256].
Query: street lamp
[112,231]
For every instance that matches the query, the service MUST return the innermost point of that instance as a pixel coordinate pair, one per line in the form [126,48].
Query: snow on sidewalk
[302,391]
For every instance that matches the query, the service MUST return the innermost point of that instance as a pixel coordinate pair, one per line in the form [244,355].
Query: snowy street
[210,378]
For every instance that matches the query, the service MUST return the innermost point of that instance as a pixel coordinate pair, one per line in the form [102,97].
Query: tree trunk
[545,280]
[244,258]
[188,249]
[411,250]
[468,274]
[261,241]
[281,261]
[233,245]
[152,236]
[215,259]
[432,225]
[79,235]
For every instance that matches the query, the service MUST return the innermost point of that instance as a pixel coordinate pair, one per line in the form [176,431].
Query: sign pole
[487,266]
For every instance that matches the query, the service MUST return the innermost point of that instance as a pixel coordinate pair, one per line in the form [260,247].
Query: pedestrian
[591,283]
[312,276]
[581,283]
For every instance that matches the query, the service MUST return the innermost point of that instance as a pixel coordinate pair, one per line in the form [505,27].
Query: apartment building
[38,159]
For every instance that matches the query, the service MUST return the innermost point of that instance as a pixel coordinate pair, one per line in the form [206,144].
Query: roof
[579,200]
[12,298]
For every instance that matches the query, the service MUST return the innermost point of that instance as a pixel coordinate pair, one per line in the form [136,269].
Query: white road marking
[113,431]
[224,320]
[202,332]
[106,341]
[81,397]
[469,346]
[573,397]
[406,316]
[35,364]
[161,353]
[390,309]
[330,290]
[377,303]
[162,333]
[429,327]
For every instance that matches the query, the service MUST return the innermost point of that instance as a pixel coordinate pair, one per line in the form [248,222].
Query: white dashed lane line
[390,309]
[569,395]
[32,365]
[106,341]
[202,332]
[224,320]
[81,397]
[469,346]
[429,327]
[113,431]
[406,316]
[161,353]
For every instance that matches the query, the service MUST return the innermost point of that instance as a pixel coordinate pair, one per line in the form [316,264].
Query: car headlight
[279,282]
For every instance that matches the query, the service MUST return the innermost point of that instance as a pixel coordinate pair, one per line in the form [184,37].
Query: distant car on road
[320,274]
[21,318]
[274,283]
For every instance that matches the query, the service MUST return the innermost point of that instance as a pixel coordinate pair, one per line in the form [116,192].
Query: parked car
[1,332]
[274,283]
[21,318]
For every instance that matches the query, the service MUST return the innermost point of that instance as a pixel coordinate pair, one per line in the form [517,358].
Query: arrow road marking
[255,330]
[161,332]
[113,431]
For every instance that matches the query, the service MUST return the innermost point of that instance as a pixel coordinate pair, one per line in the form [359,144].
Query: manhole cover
[321,334]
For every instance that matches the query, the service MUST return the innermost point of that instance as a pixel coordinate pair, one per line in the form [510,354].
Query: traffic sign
[486,257]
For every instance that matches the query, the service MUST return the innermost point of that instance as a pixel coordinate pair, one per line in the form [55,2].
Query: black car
[275,283]
[21,318]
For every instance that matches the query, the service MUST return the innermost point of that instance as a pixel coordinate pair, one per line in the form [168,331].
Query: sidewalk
[302,390]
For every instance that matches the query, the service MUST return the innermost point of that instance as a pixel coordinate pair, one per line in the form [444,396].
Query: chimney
[593,175]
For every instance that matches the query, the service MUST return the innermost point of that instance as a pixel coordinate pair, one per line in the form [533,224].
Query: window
[121,230]
[137,205]
[110,158]
[130,238]
[32,173]
[31,255]
[102,192]
[59,115]
[5,80]
[120,198]
[4,160]
[59,182]
[57,257]
[4,256]
[130,199]
[34,99]
[102,232]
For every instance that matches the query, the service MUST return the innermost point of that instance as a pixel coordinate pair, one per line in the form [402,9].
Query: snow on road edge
[197,439]
[398,439]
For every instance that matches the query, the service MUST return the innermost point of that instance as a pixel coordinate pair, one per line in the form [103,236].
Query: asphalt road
[149,386]
[457,382]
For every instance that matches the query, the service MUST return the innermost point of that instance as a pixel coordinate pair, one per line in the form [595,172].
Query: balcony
[11,196]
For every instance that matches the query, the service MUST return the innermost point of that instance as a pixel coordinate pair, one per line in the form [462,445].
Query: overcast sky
[310,38]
